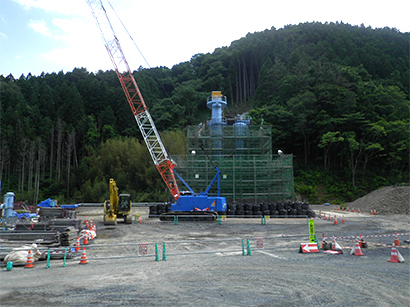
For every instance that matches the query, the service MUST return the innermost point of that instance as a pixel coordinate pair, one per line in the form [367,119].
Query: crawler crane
[185,205]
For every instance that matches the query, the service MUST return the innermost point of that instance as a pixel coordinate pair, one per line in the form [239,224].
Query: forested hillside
[336,96]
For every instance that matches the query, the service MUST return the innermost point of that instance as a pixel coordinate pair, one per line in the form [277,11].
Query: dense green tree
[336,96]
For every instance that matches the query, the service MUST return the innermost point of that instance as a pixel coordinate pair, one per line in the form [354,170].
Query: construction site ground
[205,265]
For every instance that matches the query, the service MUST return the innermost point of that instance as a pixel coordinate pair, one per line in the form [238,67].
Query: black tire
[297,206]
[292,212]
[248,213]
[302,212]
[247,207]
[256,208]
[311,213]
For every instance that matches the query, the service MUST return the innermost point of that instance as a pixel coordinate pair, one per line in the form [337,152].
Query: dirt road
[205,266]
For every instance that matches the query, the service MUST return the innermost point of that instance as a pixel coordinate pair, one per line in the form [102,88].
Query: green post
[65,256]
[9,266]
[164,252]
[219,219]
[175,219]
[48,259]
[317,242]
[248,245]
[156,252]
[243,247]
[135,219]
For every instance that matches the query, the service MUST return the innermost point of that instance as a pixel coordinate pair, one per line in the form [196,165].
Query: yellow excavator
[118,206]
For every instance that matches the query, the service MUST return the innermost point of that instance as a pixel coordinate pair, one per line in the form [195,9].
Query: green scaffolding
[249,170]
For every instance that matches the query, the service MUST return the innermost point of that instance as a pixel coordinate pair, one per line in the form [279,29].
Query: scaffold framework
[249,170]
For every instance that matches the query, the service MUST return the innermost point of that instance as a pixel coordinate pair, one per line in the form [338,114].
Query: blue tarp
[27,215]
[69,206]
[46,203]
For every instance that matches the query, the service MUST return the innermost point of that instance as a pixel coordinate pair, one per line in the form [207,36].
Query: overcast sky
[55,35]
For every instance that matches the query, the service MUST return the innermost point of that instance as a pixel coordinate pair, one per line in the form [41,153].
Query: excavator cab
[124,204]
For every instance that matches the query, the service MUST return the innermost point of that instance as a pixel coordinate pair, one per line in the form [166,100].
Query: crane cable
[135,44]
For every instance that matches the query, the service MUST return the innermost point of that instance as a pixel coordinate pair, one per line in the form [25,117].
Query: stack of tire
[157,210]
[274,210]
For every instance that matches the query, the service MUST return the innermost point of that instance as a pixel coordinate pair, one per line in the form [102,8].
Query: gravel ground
[205,266]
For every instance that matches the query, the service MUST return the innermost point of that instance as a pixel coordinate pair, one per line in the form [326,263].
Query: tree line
[336,96]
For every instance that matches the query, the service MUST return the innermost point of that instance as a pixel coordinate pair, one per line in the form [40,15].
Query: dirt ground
[386,200]
[205,265]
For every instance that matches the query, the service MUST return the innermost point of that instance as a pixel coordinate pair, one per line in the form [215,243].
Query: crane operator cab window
[125,201]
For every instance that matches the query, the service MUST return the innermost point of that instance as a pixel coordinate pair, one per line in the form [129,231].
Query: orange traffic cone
[360,241]
[29,263]
[343,219]
[358,210]
[83,257]
[371,212]
[396,240]
[77,246]
[335,222]
[347,209]
[352,209]
[356,251]
[330,217]
[374,212]
[86,239]
[395,255]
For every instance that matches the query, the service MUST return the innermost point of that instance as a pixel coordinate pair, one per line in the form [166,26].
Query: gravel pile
[387,200]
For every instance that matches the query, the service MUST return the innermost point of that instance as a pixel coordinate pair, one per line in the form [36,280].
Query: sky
[59,35]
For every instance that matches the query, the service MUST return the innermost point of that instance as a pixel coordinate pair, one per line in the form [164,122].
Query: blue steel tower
[217,102]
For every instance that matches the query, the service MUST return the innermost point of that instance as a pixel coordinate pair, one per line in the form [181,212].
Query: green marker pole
[248,245]
[219,220]
[164,252]
[156,252]
[65,256]
[243,247]
[175,219]
[48,259]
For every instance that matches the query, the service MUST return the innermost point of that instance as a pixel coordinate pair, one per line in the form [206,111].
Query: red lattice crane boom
[143,118]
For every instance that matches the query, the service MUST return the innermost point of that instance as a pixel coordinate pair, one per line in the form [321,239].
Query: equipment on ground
[186,205]
[119,206]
